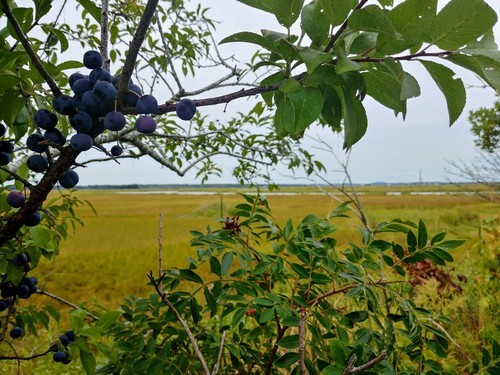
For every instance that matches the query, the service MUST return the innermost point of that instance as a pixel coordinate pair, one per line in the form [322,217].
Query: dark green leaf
[449,245]
[355,120]
[337,11]
[88,362]
[357,316]
[215,266]
[286,360]
[460,22]
[266,315]
[385,88]
[422,235]
[484,67]
[412,20]
[313,58]
[451,87]
[190,275]
[248,37]
[371,18]
[337,348]
[227,262]
[315,23]
[286,11]
[289,342]
[92,8]
[438,238]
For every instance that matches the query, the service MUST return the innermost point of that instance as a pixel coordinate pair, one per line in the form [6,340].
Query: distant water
[177,192]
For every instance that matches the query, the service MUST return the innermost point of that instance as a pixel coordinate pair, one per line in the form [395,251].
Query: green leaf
[290,85]
[337,348]
[253,38]
[452,88]
[412,20]
[297,111]
[92,8]
[486,68]
[41,236]
[227,262]
[313,58]
[371,18]
[355,120]
[315,23]
[215,266]
[486,357]
[438,238]
[266,315]
[107,319]
[286,11]
[42,7]
[486,46]
[289,342]
[357,316]
[332,109]
[385,88]
[337,11]
[344,64]
[398,251]
[286,360]
[422,235]
[190,275]
[461,22]
[88,362]
[334,369]
[450,245]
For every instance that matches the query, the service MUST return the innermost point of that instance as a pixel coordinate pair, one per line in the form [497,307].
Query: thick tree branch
[135,46]
[105,33]
[37,63]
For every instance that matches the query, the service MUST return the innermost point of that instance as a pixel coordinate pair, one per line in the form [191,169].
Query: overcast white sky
[391,150]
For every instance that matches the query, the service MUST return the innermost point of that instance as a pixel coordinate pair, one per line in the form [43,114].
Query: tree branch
[350,369]
[66,302]
[163,296]
[105,33]
[302,333]
[215,370]
[135,46]
[17,358]
[37,63]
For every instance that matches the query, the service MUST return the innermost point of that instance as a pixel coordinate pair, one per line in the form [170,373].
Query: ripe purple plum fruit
[81,142]
[59,356]
[16,199]
[81,86]
[34,219]
[114,121]
[20,259]
[69,179]
[33,143]
[37,163]
[16,332]
[55,136]
[75,77]
[104,91]
[6,146]
[147,104]
[45,119]
[116,150]
[5,158]
[92,59]
[3,129]
[81,121]
[99,74]
[64,105]
[145,125]
[185,109]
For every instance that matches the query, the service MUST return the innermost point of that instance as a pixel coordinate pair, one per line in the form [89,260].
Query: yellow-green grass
[107,259]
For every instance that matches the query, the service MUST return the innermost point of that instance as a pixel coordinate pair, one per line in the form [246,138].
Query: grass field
[107,259]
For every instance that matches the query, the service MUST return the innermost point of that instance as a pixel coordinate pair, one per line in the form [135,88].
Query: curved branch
[17,358]
[27,46]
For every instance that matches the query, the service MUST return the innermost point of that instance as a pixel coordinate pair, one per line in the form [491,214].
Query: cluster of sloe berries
[6,147]
[61,354]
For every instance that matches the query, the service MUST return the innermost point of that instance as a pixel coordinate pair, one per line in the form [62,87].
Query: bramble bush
[282,298]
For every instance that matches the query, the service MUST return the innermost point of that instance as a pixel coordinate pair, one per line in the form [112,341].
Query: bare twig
[25,182]
[181,320]
[18,358]
[66,302]
[302,333]
[351,369]
[160,246]
[216,368]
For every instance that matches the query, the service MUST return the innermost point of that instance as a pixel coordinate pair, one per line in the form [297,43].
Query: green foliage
[486,127]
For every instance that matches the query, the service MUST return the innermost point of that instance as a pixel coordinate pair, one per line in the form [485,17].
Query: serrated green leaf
[337,11]
[266,315]
[42,7]
[412,20]
[313,58]
[290,85]
[460,22]
[371,18]
[332,107]
[486,68]
[355,120]
[315,23]
[451,87]
[385,88]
